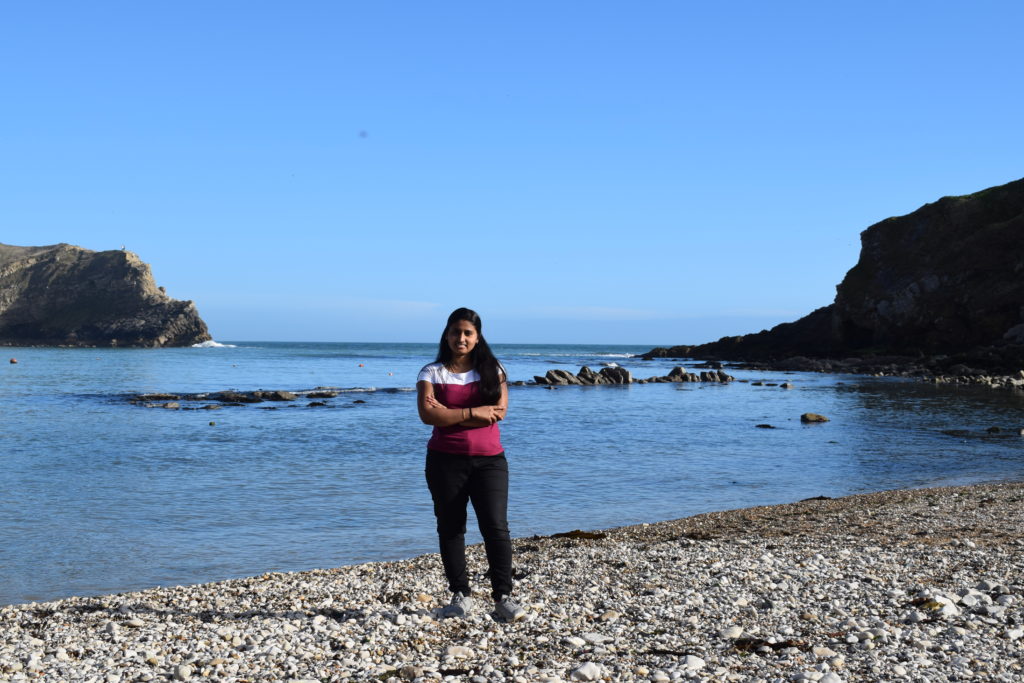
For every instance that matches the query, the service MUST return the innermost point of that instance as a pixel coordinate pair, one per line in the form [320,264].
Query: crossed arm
[433,412]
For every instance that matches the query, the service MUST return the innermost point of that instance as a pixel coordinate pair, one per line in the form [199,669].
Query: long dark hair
[484,362]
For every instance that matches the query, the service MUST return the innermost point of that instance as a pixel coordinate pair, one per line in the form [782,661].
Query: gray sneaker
[508,610]
[460,606]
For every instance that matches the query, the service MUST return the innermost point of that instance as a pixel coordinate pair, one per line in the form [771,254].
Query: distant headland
[940,287]
[63,295]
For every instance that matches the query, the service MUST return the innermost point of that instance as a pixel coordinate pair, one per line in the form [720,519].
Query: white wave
[610,364]
[213,345]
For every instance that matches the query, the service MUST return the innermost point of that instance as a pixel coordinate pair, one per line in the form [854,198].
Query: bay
[98,495]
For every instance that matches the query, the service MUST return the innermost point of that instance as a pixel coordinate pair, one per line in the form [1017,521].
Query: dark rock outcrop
[616,375]
[561,377]
[620,375]
[947,279]
[63,295]
[230,397]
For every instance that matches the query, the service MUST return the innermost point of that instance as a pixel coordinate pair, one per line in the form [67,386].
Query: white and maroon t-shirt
[459,390]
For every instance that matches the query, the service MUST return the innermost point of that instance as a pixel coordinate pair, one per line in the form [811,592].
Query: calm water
[100,496]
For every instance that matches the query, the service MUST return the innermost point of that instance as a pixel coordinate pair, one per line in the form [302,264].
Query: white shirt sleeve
[427,374]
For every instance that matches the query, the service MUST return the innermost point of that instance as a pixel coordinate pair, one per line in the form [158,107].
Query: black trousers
[483,480]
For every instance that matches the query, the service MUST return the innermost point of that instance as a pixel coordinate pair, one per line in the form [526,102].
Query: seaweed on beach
[579,535]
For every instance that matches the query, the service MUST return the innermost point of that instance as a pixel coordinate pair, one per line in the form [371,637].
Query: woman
[464,395]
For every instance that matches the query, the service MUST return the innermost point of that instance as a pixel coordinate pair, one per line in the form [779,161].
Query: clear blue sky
[652,173]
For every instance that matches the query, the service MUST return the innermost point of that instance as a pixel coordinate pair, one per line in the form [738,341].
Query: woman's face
[462,337]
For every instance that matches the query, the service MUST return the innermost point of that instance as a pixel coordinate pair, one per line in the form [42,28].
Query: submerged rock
[236,397]
[275,395]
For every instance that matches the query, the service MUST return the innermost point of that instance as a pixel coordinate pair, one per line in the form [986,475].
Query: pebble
[827,591]
[459,651]
[586,672]
[693,662]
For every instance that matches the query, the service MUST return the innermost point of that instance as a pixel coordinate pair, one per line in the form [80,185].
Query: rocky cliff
[945,279]
[66,295]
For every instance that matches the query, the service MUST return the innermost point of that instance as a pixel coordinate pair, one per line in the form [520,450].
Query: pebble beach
[914,585]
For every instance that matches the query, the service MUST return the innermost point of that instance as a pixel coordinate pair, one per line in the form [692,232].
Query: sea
[99,495]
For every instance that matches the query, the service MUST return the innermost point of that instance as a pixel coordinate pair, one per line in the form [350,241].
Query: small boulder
[617,375]
[322,394]
[559,377]
[808,418]
[281,396]
[275,395]
[677,374]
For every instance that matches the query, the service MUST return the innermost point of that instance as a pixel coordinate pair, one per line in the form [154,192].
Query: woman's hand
[489,414]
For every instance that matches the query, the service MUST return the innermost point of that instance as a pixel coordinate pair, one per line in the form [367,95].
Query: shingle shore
[917,585]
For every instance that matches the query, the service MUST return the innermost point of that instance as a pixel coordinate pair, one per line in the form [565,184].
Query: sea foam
[213,345]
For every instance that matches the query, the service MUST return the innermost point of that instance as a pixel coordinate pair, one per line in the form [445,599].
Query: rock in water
[559,376]
[616,375]
[63,295]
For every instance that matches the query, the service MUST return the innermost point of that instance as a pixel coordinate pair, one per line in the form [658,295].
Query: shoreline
[908,584]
